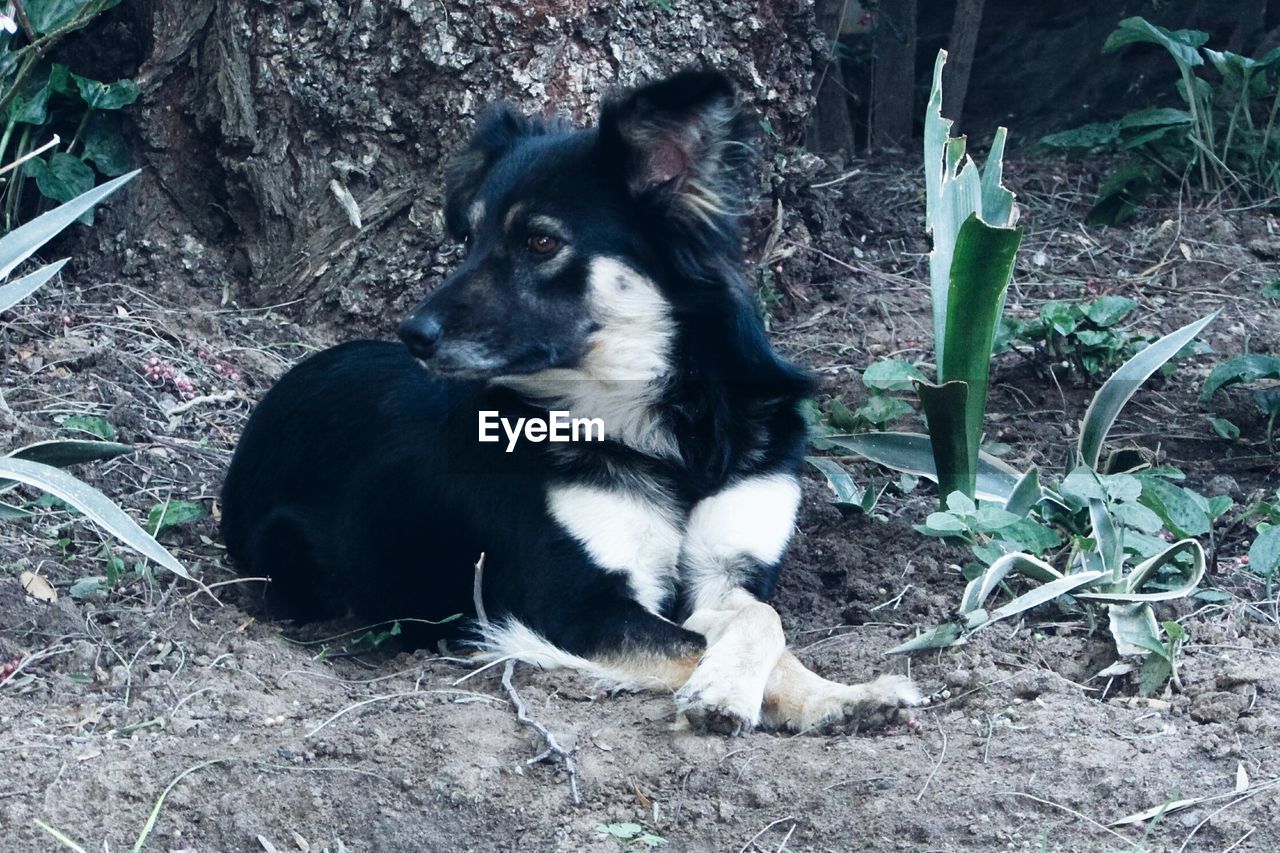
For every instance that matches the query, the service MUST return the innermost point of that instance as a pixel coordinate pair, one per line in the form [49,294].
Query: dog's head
[580,242]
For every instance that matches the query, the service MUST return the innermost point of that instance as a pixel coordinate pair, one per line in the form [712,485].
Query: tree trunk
[893,90]
[260,123]
[832,127]
[964,39]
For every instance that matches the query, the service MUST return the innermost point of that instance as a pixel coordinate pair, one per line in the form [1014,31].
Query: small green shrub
[1223,137]
[60,129]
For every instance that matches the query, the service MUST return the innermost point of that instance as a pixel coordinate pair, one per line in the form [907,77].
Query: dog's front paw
[715,707]
[843,709]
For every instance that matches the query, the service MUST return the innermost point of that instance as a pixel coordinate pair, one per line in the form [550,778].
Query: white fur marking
[753,518]
[744,643]
[627,363]
[622,533]
[467,354]
[514,640]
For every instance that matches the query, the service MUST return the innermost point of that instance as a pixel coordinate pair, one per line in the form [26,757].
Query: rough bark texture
[893,91]
[257,116]
[831,130]
[964,38]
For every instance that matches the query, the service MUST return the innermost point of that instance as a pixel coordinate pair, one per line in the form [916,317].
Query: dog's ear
[497,130]
[683,141]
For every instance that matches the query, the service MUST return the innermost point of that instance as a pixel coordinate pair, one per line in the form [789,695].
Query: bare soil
[157,710]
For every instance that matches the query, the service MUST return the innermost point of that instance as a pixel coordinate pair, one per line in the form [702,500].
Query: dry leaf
[37,587]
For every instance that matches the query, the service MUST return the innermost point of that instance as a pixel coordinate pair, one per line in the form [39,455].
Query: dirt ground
[157,715]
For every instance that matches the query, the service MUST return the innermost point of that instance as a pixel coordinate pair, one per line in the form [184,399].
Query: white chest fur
[656,546]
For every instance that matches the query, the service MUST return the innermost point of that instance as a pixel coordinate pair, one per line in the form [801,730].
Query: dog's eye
[543,244]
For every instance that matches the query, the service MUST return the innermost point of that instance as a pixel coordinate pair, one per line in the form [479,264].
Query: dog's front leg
[799,700]
[733,543]
[744,643]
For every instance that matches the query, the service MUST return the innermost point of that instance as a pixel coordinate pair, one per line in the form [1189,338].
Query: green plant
[1109,513]
[372,640]
[1246,368]
[59,127]
[1085,335]
[628,835]
[169,514]
[1225,136]
[39,465]
[970,215]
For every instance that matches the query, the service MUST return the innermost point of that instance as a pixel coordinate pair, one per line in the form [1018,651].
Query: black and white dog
[602,287]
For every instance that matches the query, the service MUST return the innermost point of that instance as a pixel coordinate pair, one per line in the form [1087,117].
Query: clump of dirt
[153,698]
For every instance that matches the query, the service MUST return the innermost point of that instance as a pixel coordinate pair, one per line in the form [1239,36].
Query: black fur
[359,484]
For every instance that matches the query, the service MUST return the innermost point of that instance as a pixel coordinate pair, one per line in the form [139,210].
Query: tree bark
[832,128]
[893,90]
[964,40]
[258,118]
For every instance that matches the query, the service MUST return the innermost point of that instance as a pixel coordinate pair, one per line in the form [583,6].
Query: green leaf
[169,514]
[91,587]
[63,453]
[1176,508]
[936,638]
[95,505]
[1188,576]
[945,522]
[1134,629]
[912,453]
[62,177]
[1026,494]
[1219,505]
[1156,671]
[960,503]
[991,518]
[1181,44]
[1044,593]
[944,412]
[1109,310]
[1225,429]
[46,16]
[1027,534]
[1086,137]
[1061,317]
[1138,517]
[840,416]
[104,144]
[1240,368]
[12,294]
[106,96]
[1271,290]
[1110,541]
[849,496]
[31,104]
[880,410]
[9,512]
[955,192]
[1264,553]
[91,424]
[1155,117]
[1082,485]
[1124,383]
[891,375]
[981,267]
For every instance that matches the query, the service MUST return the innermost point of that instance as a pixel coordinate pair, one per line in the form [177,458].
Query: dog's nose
[420,334]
